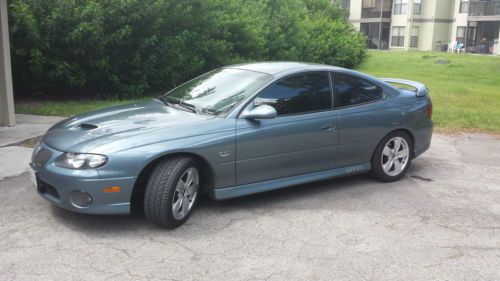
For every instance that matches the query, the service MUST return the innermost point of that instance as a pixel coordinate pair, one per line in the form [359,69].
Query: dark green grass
[465,91]
[67,108]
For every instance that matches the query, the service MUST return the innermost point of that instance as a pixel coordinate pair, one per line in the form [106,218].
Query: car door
[300,140]
[365,117]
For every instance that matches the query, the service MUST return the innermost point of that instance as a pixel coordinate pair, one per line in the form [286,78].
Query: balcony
[376,9]
[484,8]
[375,12]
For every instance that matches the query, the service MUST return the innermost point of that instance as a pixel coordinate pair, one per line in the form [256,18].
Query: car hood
[121,127]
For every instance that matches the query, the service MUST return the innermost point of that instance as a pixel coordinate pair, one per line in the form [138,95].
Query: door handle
[328,127]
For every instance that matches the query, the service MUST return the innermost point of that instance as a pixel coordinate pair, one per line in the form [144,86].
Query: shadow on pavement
[323,194]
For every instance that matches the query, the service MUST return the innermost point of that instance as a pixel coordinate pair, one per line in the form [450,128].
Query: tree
[118,48]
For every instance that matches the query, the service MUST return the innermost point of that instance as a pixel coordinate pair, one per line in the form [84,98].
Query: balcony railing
[484,8]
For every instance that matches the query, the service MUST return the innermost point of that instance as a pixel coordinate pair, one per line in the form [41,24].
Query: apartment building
[428,25]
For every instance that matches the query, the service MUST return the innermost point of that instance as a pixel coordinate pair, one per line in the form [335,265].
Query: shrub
[122,49]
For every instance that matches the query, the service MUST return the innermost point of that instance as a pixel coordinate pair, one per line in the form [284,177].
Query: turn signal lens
[112,189]
[429,111]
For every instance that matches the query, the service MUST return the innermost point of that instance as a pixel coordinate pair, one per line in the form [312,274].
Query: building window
[398,36]
[345,4]
[414,37]
[417,7]
[461,34]
[400,7]
[464,6]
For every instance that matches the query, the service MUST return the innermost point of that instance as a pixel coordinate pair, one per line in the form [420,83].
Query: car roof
[274,68]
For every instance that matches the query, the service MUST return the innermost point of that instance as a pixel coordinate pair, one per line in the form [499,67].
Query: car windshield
[216,92]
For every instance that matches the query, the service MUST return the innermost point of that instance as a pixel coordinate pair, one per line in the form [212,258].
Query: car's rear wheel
[392,158]
[172,191]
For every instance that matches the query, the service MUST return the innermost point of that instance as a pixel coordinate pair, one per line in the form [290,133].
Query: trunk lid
[418,88]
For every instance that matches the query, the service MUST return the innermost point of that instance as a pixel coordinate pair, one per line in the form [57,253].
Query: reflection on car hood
[122,127]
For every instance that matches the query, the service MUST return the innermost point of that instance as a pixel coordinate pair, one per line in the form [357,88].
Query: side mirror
[262,112]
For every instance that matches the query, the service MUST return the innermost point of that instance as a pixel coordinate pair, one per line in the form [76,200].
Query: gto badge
[355,169]
[224,154]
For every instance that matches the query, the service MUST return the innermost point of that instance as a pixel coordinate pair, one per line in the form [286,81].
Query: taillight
[429,111]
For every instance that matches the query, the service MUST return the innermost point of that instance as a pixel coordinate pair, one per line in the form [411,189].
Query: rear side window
[297,94]
[351,90]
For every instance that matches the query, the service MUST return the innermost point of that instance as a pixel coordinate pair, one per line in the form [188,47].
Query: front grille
[45,188]
[42,157]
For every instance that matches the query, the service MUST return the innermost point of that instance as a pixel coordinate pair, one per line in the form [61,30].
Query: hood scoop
[85,127]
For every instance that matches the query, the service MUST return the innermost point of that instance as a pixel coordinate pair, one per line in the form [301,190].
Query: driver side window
[296,94]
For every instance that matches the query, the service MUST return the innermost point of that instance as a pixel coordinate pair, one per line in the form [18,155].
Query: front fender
[217,149]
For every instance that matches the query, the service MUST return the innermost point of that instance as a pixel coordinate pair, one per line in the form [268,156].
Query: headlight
[81,160]
[36,148]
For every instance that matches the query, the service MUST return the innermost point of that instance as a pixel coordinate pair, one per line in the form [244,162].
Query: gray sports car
[234,131]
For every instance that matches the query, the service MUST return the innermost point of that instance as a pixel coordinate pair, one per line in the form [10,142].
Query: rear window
[351,90]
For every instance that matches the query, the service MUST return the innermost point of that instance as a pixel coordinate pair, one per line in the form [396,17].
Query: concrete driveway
[441,222]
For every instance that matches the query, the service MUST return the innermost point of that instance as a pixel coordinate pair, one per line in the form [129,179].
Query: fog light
[80,199]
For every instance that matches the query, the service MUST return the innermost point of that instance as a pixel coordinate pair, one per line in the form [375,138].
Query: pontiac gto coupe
[234,131]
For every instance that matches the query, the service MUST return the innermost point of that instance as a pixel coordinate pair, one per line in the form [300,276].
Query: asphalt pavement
[440,222]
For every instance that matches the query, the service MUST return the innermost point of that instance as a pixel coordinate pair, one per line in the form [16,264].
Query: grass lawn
[66,108]
[465,92]
[465,89]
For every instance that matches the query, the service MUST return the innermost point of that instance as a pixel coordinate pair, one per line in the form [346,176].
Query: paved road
[442,221]
[27,126]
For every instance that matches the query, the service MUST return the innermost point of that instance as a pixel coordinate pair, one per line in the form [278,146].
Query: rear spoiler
[419,88]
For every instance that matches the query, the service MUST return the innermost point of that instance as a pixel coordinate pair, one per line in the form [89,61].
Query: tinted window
[351,90]
[298,94]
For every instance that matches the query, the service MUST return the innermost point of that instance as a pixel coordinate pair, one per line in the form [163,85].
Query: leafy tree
[128,48]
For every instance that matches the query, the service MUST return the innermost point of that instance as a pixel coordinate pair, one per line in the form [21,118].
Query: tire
[166,186]
[382,167]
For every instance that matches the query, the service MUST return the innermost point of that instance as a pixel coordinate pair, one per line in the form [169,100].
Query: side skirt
[251,188]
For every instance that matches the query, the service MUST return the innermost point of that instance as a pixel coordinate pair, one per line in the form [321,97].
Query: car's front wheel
[392,158]
[172,191]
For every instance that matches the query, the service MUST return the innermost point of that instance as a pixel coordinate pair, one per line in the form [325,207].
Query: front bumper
[58,186]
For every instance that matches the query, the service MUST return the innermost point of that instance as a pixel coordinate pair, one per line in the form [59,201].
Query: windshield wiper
[178,104]
[189,106]
[184,105]
[208,111]
[163,100]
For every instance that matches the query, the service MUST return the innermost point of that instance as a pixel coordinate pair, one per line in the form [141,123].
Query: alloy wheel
[395,156]
[185,193]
